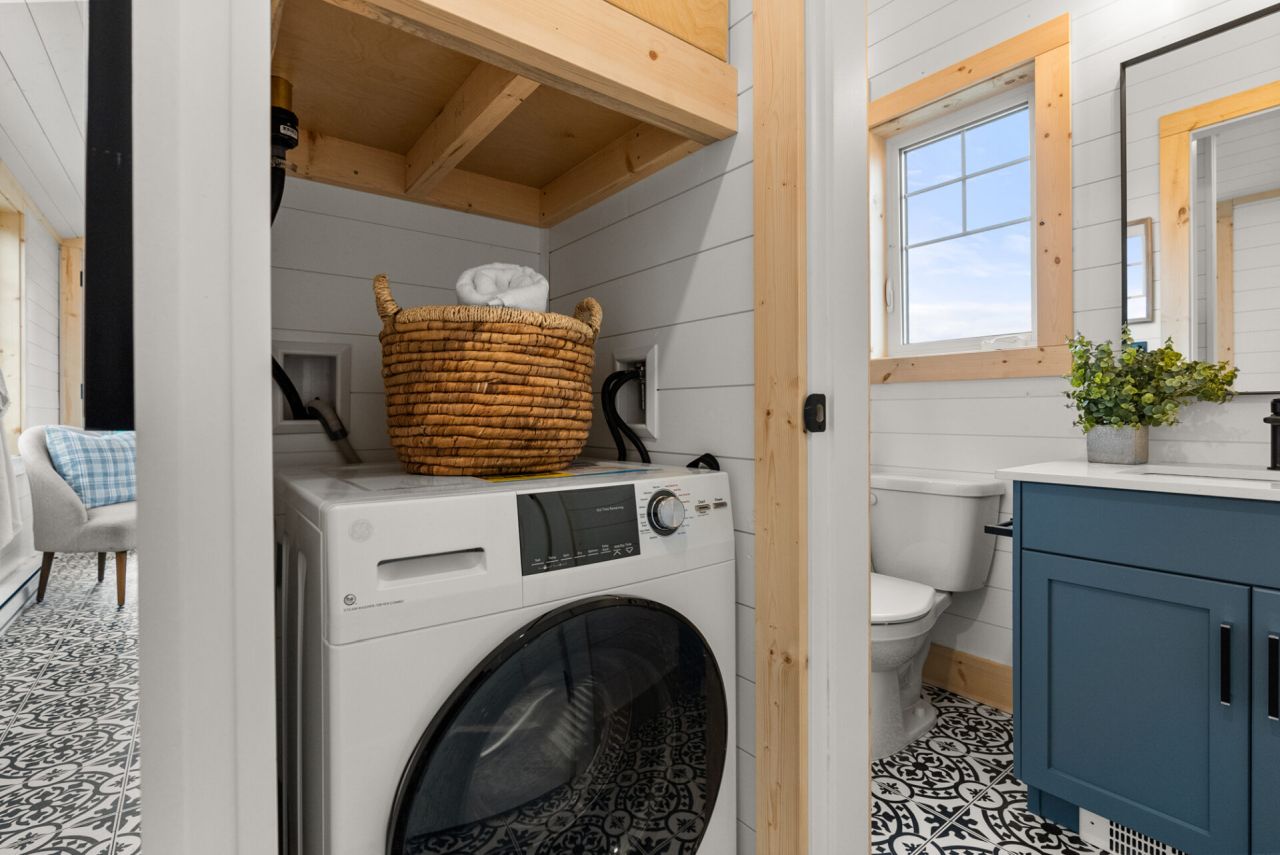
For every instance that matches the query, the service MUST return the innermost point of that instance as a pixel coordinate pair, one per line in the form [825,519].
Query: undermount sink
[1233,472]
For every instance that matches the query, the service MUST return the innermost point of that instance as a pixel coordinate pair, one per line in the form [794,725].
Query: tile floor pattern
[953,792]
[69,760]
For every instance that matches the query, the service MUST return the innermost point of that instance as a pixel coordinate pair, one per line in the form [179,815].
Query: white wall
[1256,264]
[42,265]
[327,244]
[670,260]
[980,426]
[19,560]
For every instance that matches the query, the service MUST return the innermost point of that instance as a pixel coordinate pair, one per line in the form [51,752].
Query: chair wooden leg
[122,560]
[45,566]
[102,565]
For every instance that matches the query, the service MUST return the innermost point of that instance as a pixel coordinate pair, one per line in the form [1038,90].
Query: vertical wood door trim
[781,464]
[71,333]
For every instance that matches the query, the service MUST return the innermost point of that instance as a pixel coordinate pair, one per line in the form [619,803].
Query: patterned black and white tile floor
[952,792]
[69,758]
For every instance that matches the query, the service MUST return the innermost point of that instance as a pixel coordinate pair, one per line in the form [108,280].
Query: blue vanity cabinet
[1266,721]
[1142,689]
[1133,714]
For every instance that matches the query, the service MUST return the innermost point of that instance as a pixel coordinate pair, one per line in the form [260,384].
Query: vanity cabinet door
[1134,698]
[1266,721]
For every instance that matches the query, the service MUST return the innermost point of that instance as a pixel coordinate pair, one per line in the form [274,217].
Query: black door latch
[815,413]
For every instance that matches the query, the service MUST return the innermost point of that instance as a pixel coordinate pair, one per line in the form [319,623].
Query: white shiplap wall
[1256,277]
[981,426]
[328,243]
[41,267]
[670,260]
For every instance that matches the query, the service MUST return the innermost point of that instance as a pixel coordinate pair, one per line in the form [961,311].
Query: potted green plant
[1119,395]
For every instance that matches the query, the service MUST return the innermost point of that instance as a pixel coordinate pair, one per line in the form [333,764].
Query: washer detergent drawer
[402,565]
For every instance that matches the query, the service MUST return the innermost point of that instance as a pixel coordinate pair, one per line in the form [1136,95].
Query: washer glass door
[599,728]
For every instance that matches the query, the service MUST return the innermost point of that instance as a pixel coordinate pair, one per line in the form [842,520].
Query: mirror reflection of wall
[1201,204]
[1236,246]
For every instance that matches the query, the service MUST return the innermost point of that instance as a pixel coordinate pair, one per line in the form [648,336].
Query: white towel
[499,284]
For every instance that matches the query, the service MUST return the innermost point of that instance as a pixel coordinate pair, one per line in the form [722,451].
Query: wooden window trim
[1175,198]
[1042,54]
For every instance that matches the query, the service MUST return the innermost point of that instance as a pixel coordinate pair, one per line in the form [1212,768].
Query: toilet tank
[927,527]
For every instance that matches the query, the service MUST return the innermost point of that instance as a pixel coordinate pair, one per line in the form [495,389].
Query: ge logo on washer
[349,599]
[361,530]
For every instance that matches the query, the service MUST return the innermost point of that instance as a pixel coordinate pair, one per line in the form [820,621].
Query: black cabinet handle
[1224,664]
[1004,529]
[1273,677]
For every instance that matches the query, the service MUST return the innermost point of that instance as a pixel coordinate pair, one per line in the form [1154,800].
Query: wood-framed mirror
[1200,196]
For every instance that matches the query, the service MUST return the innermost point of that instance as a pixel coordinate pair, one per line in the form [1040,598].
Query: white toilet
[927,541]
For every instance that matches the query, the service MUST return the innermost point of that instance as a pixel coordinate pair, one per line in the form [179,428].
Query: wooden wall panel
[702,23]
[782,593]
[71,333]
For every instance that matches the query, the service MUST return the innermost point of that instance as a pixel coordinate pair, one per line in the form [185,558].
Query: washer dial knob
[666,512]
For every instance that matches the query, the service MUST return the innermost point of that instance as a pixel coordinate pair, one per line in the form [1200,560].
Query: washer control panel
[590,525]
[570,528]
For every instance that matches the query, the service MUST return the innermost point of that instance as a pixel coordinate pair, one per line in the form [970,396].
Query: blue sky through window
[967,258]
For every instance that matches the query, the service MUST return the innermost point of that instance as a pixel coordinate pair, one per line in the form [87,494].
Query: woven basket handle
[387,306]
[590,313]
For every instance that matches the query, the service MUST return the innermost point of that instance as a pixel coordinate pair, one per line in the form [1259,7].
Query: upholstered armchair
[61,523]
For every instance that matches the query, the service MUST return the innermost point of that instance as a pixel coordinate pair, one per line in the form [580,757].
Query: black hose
[277,190]
[708,460]
[617,427]
[297,409]
[607,392]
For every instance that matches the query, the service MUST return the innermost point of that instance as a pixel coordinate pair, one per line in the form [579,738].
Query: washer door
[601,727]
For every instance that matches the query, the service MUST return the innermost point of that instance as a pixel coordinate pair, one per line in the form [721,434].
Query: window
[1139,290]
[962,271]
[971,230]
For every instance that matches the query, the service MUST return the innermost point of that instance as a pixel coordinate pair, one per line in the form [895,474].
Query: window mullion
[964,185]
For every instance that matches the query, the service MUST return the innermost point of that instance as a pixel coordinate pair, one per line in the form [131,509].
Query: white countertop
[1229,481]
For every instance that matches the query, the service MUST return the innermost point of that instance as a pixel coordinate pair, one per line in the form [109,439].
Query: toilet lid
[896,600]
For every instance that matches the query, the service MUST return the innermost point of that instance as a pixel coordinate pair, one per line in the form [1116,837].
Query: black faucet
[1274,421]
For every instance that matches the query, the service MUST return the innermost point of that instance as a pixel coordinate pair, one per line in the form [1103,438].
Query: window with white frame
[961,259]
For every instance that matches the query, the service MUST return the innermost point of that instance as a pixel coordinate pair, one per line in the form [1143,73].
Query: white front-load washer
[539,667]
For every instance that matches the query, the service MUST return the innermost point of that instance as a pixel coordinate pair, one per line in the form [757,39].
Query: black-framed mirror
[1200,196]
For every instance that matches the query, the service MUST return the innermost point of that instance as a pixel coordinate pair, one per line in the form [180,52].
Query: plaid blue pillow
[98,466]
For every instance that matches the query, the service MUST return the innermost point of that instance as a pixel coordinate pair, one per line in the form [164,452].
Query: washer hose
[619,428]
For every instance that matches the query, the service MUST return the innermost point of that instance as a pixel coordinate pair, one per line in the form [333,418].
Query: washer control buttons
[666,512]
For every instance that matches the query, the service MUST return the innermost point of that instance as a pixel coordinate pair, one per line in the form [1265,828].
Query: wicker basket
[480,390]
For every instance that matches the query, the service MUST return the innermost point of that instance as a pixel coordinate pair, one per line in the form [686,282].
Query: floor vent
[1118,839]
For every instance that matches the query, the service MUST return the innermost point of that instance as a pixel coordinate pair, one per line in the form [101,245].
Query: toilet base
[900,711]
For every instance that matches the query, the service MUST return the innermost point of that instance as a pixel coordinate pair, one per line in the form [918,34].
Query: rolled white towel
[512,285]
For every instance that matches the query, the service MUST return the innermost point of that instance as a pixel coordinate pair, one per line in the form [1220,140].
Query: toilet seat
[896,600]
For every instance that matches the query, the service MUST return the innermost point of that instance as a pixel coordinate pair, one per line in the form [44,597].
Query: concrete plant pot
[1117,444]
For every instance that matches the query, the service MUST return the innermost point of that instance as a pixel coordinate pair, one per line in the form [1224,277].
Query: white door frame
[202,318]
[838,332]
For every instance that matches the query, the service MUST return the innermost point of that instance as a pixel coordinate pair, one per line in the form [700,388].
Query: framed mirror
[1200,196]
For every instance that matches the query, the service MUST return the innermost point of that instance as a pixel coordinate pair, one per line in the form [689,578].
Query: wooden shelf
[526,110]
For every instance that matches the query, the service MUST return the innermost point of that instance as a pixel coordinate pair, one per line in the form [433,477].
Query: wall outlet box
[318,369]
[638,401]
